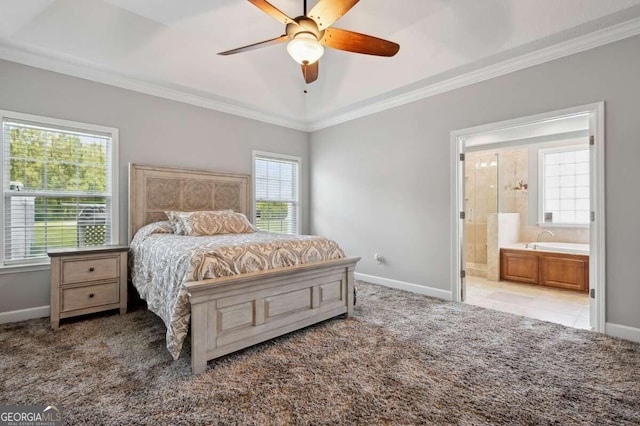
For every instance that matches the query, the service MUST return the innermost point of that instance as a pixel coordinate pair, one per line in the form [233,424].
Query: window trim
[275,156]
[541,189]
[40,263]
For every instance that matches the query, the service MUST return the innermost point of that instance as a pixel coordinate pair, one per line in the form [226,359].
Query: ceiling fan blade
[358,43]
[270,9]
[326,12]
[310,72]
[256,45]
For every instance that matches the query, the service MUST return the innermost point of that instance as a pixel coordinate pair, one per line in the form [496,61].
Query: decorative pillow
[176,223]
[214,223]
[163,227]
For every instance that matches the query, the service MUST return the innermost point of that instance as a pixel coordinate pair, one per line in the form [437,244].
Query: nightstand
[86,280]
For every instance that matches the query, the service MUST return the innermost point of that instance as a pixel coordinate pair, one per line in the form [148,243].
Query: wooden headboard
[154,190]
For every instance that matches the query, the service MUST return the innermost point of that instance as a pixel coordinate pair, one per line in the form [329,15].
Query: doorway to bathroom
[528,201]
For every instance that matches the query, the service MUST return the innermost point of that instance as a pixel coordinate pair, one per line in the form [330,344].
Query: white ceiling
[172,44]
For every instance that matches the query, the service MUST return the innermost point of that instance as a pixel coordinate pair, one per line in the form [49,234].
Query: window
[59,181]
[276,183]
[564,186]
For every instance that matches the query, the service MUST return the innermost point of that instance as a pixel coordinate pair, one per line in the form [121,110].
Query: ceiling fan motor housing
[304,25]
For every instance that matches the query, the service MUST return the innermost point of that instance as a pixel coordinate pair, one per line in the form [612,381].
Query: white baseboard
[622,331]
[24,314]
[401,285]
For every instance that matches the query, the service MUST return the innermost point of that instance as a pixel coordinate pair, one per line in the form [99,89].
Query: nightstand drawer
[89,296]
[100,268]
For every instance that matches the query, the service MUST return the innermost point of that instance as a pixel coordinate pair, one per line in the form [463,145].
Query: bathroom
[526,226]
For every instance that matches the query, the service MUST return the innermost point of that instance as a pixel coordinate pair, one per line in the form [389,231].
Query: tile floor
[566,307]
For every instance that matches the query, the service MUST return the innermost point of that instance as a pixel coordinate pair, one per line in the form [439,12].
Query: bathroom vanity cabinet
[569,271]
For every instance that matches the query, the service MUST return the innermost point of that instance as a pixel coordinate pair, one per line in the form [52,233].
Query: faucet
[542,233]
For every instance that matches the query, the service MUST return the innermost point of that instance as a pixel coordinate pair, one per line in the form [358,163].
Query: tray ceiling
[173,45]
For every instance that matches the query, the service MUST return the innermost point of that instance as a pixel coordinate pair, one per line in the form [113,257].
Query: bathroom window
[564,186]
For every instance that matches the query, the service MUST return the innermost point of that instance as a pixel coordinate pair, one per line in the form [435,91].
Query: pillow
[214,223]
[163,227]
[176,224]
[173,221]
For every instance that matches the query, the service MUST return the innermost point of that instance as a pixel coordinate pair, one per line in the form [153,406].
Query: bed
[246,307]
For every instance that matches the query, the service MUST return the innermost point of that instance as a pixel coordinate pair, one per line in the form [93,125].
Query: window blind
[276,194]
[566,186]
[57,189]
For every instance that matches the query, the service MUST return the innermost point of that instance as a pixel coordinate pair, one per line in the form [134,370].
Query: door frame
[597,276]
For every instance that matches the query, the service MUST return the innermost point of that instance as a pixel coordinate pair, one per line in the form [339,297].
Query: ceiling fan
[307,34]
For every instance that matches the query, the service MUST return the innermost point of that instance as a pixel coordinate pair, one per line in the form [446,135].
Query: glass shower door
[480,200]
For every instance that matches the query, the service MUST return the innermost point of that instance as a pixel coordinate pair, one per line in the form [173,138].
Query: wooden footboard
[233,313]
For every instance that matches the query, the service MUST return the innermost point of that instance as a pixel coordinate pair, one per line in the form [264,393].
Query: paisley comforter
[161,262]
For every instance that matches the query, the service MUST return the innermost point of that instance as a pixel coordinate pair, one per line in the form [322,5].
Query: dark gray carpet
[404,359]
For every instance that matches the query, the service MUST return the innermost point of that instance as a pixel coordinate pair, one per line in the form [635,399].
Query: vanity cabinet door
[519,266]
[564,272]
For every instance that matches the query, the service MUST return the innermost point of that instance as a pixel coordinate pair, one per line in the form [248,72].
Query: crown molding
[560,50]
[44,59]
[64,64]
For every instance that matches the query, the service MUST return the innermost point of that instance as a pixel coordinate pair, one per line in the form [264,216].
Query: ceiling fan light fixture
[305,49]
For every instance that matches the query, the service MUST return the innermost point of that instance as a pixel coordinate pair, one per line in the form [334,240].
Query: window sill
[563,225]
[18,269]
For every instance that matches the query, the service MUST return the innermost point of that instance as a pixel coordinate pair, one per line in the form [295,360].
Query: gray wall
[382,183]
[153,131]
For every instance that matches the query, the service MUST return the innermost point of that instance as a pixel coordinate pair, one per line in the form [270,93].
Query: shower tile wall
[514,170]
[481,199]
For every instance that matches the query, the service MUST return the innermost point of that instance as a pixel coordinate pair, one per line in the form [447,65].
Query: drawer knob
[91,269]
[91,295]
